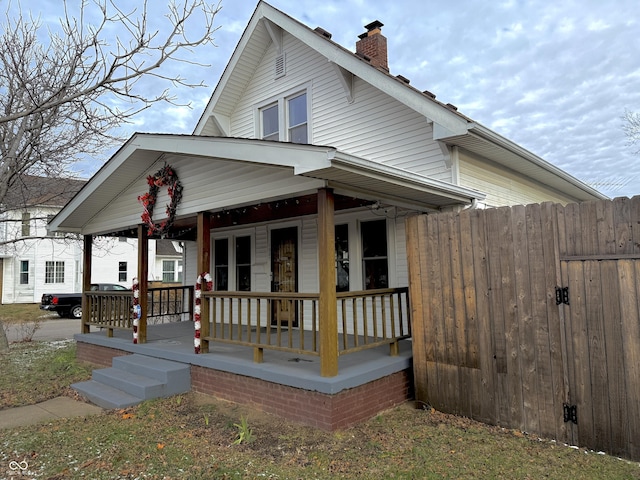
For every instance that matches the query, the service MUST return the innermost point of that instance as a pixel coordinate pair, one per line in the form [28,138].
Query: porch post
[87,253]
[143,281]
[204,264]
[327,270]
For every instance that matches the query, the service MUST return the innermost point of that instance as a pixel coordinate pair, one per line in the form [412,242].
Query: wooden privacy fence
[527,317]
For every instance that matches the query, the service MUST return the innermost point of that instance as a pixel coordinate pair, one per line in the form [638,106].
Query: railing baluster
[356,339]
[374,309]
[365,321]
[384,314]
[314,322]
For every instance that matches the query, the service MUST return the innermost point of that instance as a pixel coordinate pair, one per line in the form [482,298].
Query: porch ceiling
[309,167]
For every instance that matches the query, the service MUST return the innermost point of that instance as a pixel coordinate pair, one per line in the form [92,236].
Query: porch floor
[174,341]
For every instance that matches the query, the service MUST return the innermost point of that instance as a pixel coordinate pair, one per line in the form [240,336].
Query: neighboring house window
[286,119]
[54,272]
[179,279]
[168,271]
[122,271]
[342,258]
[243,264]
[221,263]
[374,254]
[24,272]
[26,224]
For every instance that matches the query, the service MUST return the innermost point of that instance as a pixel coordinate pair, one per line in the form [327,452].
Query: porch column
[87,253]
[143,281]
[327,270]
[204,264]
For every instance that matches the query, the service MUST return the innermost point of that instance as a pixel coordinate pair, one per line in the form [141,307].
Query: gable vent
[280,69]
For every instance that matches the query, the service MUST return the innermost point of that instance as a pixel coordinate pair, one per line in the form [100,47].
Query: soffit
[351,175]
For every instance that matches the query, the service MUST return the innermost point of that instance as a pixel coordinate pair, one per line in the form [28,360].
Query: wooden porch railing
[112,309]
[371,318]
[289,321]
[273,321]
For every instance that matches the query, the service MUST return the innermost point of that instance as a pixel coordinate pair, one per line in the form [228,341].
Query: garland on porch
[196,311]
[136,308]
[166,176]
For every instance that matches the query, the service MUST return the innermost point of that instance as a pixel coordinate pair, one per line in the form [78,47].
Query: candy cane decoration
[196,310]
[136,309]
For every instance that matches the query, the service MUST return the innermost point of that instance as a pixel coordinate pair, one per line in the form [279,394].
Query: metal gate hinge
[570,413]
[562,295]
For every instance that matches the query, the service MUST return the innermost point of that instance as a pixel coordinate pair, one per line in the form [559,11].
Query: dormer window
[285,119]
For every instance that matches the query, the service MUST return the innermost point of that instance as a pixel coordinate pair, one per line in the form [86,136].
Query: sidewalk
[61,407]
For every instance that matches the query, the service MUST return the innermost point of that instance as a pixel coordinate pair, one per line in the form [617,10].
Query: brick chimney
[373,45]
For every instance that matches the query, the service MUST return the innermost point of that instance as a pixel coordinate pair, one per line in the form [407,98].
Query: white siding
[211,184]
[503,187]
[374,126]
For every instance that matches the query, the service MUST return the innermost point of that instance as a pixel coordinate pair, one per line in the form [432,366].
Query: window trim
[232,266]
[58,268]
[25,224]
[121,271]
[22,273]
[281,100]
[166,262]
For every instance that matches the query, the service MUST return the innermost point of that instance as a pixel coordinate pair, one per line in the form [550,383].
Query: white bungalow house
[34,260]
[296,183]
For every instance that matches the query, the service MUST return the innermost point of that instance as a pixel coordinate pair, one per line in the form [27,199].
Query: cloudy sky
[554,77]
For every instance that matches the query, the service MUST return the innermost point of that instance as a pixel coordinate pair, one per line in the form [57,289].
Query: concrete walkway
[61,407]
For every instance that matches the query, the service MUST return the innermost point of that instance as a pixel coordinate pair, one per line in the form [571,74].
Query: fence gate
[528,317]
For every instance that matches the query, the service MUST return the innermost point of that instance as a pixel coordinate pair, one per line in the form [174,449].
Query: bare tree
[65,90]
[631,127]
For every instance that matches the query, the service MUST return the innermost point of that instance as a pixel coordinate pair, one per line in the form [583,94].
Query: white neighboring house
[168,264]
[34,261]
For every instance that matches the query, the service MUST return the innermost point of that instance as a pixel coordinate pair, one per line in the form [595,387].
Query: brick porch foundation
[325,411]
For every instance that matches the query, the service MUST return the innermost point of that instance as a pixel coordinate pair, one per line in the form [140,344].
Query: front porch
[286,383]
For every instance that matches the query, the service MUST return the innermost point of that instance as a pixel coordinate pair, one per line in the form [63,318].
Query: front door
[284,265]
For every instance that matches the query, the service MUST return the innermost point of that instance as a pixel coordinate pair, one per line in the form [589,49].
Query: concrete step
[133,379]
[176,375]
[105,396]
[136,385]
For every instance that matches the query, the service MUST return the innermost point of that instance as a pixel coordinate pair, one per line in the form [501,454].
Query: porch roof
[319,165]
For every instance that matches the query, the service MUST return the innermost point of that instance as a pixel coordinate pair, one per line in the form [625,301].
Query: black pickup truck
[70,304]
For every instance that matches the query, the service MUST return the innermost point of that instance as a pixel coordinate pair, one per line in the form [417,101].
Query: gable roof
[322,166]
[450,126]
[30,191]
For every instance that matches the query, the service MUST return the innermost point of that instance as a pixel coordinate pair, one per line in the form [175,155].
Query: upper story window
[297,130]
[26,224]
[286,119]
[270,123]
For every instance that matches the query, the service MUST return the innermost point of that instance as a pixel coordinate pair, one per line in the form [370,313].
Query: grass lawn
[198,437]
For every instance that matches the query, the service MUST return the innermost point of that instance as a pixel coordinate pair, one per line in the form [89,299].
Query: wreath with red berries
[166,176]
